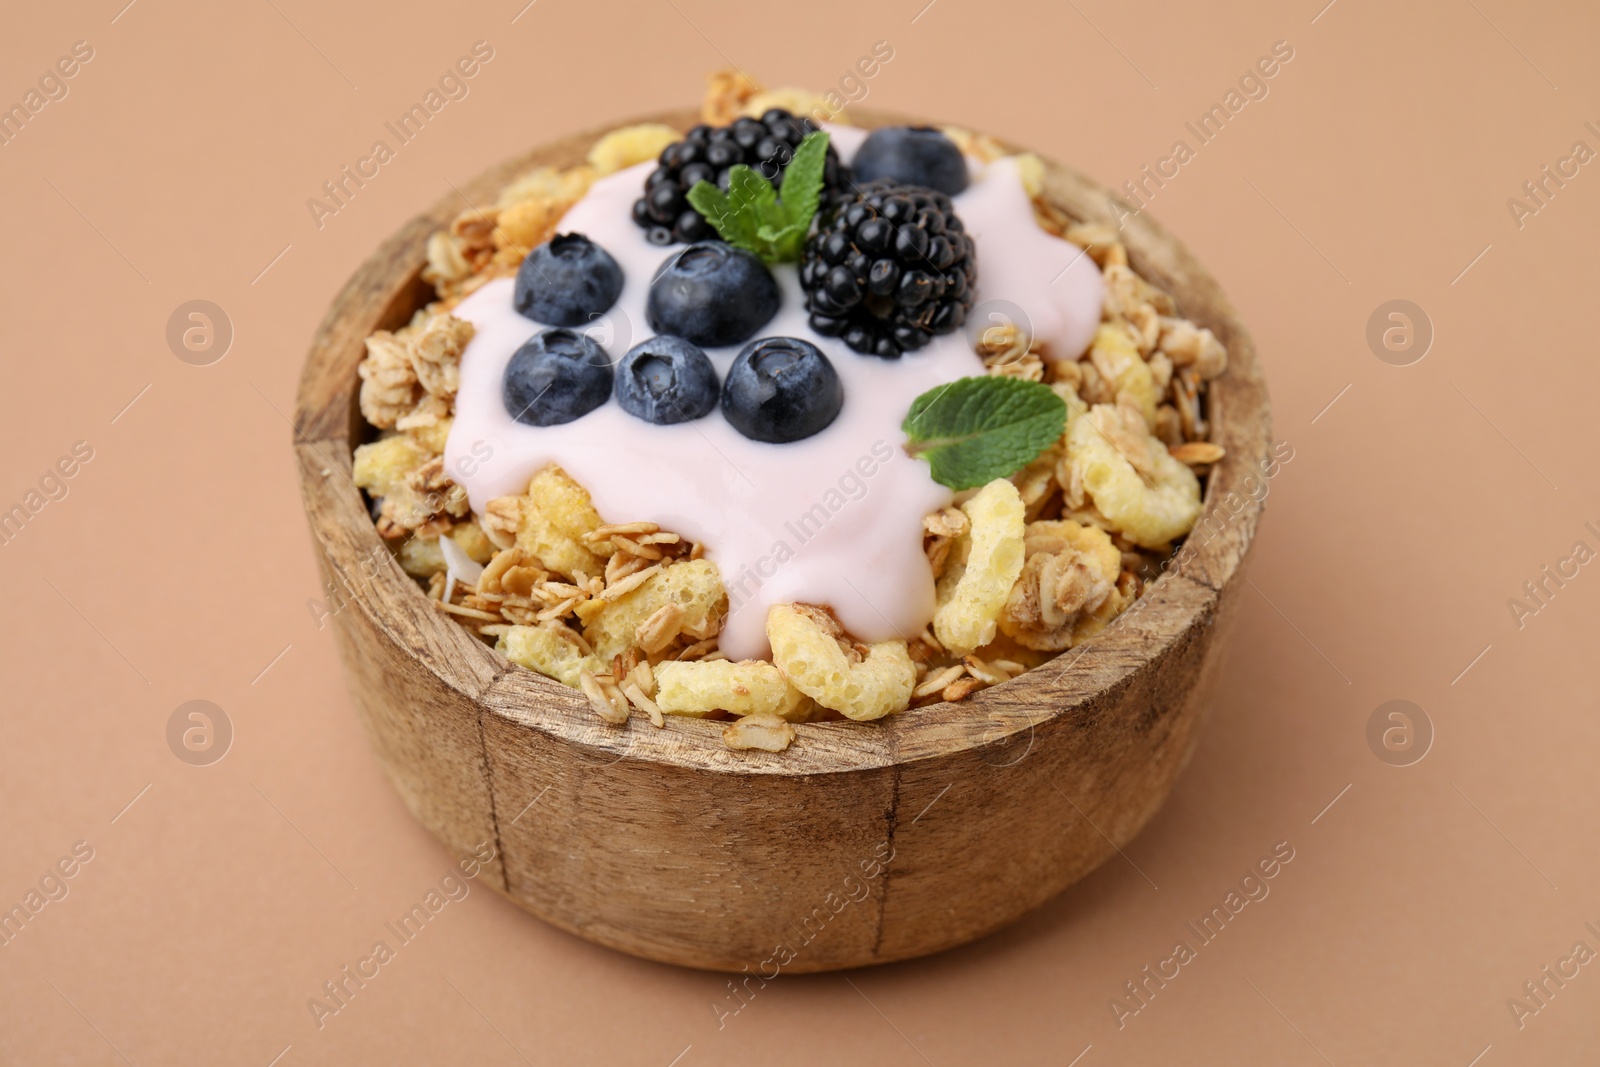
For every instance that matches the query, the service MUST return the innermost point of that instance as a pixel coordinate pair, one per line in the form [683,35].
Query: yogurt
[833,519]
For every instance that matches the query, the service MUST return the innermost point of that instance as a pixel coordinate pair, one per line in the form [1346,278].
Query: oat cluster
[629,614]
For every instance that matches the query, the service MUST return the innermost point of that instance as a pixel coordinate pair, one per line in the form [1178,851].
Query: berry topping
[915,155]
[666,380]
[781,389]
[705,154]
[567,281]
[712,294]
[891,270]
[556,376]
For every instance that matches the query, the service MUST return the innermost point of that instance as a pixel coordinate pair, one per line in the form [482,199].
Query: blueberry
[567,281]
[916,155]
[556,376]
[781,389]
[712,294]
[666,380]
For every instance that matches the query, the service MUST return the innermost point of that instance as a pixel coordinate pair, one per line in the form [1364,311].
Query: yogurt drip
[834,519]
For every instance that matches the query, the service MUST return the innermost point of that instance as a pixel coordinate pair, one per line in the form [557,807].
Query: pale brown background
[1416,505]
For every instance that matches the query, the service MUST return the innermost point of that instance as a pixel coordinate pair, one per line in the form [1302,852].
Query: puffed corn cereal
[382,466]
[1150,507]
[622,148]
[983,566]
[749,687]
[556,515]
[815,663]
[421,557]
[550,649]
[693,585]
[1116,358]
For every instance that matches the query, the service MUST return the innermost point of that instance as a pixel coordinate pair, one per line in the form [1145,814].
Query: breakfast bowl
[858,843]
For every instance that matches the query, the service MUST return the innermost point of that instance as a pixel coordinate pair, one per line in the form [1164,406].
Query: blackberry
[705,154]
[893,268]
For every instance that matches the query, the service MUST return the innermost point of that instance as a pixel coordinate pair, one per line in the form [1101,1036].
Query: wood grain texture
[861,844]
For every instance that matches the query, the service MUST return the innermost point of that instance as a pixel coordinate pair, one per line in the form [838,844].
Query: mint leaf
[732,226]
[779,239]
[975,430]
[753,196]
[751,216]
[802,184]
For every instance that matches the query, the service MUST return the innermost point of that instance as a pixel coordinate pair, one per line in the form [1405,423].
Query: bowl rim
[387,288]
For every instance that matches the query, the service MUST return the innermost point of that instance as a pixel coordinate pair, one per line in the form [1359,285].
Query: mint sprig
[750,214]
[975,430]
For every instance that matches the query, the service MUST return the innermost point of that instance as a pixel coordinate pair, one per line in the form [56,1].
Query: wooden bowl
[864,842]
